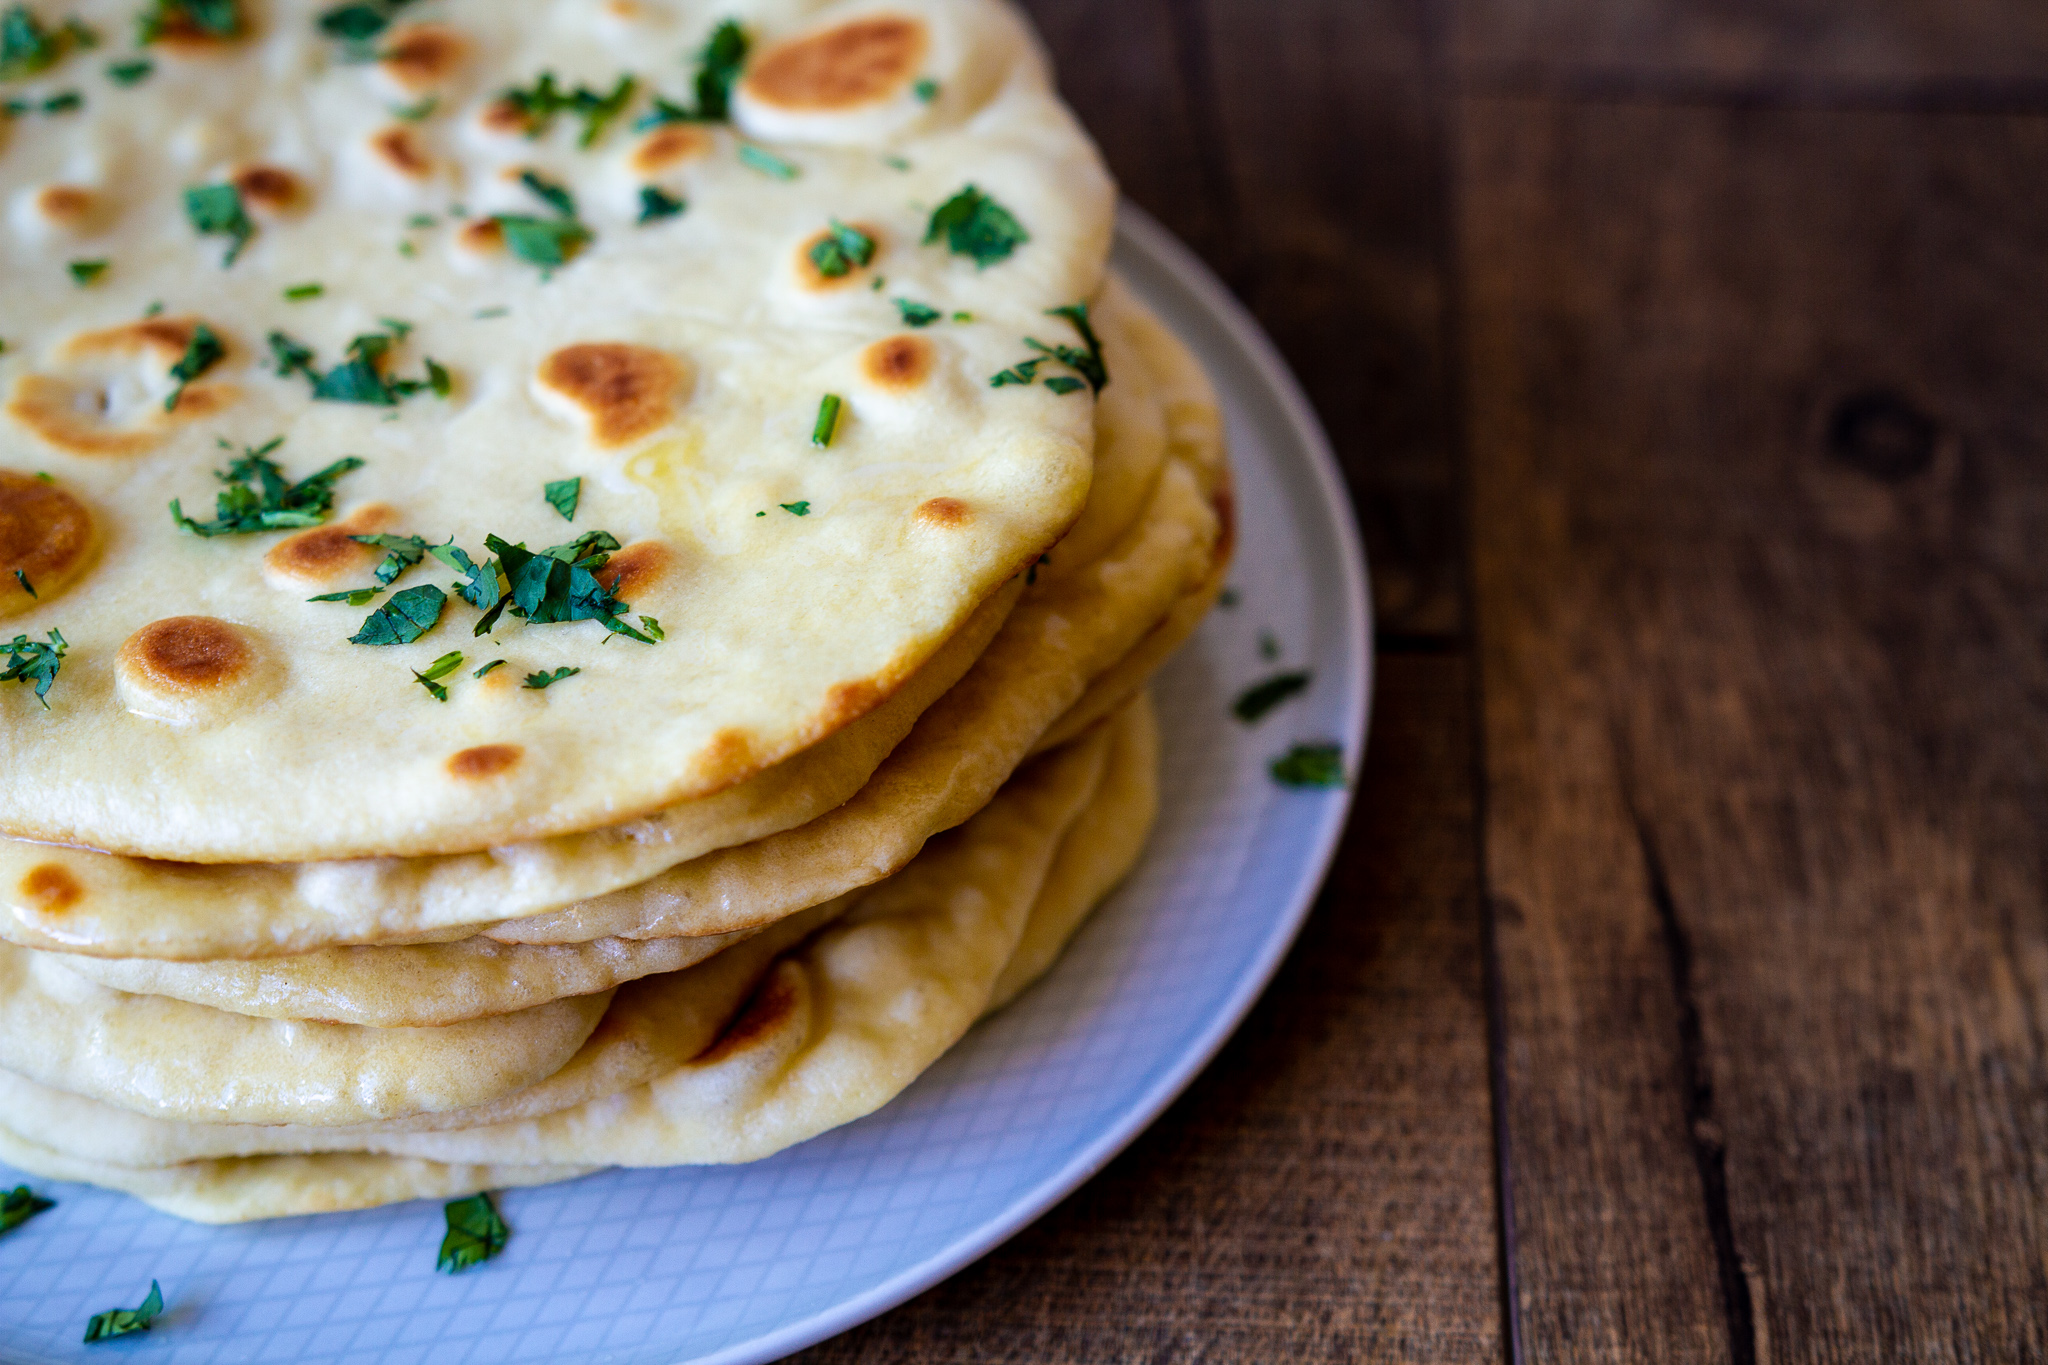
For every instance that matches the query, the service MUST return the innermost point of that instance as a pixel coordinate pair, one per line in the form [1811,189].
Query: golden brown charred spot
[481,234]
[48,407]
[398,147]
[199,400]
[670,145]
[45,533]
[628,11]
[422,56]
[948,513]
[728,757]
[625,391]
[898,364]
[50,889]
[272,189]
[857,63]
[812,278]
[186,654]
[775,1003]
[849,701]
[327,553]
[163,337]
[73,414]
[502,116]
[636,568]
[181,35]
[73,207]
[488,760]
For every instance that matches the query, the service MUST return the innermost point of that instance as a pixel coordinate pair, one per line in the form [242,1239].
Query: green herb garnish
[917,314]
[305,291]
[1269,648]
[718,66]
[360,377]
[258,497]
[1310,765]
[1023,372]
[1087,363]
[495,663]
[653,627]
[436,670]
[475,1234]
[130,73]
[361,22]
[767,162]
[926,90]
[827,424]
[119,1322]
[560,583]
[355,597]
[35,661]
[214,18]
[20,1204]
[795,509]
[202,353]
[543,241]
[562,495]
[64,102]
[977,227]
[555,196]
[403,553]
[1064,384]
[841,250]
[1254,702]
[26,47]
[1228,599]
[85,272]
[896,163]
[540,682]
[656,205]
[26,586]
[417,111]
[403,619]
[216,210]
[539,106]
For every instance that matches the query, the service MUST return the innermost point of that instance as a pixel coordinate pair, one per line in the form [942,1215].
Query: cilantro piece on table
[1310,765]
[131,73]
[259,497]
[85,272]
[216,211]
[562,495]
[204,18]
[37,662]
[1254,702]
[656,204]
[977,227]
[827,424]
[202,353]
[475,1234]
[916,314]
[440,668]
[20,1204]
[403,619]
[119,1322]
[841,250]
[540,682]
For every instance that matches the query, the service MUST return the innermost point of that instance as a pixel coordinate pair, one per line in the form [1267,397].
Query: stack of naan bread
[856,732]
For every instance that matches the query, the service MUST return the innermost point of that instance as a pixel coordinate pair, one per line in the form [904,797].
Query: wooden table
[1681,991]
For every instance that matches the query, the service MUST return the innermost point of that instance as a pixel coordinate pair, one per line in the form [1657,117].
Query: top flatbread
[207,712]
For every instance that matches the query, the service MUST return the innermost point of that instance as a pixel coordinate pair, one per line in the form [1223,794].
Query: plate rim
[1143,232]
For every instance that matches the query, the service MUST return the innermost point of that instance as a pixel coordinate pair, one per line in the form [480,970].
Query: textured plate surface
[748,1263]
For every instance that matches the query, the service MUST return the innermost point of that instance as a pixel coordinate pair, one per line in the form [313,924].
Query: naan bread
[208,712]
[842,1024]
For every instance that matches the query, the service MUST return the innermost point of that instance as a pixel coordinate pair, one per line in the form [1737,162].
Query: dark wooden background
[1681,991]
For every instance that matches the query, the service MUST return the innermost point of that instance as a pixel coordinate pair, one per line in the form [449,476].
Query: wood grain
[1323,1192]
[1759,500]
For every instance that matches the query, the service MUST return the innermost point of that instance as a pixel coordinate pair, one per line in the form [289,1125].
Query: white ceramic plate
[747,1263]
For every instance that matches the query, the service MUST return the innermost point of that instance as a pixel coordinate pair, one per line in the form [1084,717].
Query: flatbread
[207,712]
[177,1060]
[842,1024]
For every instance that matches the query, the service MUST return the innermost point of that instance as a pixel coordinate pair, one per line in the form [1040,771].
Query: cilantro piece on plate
[1254,702]
[475,1234]
[119,1322]
[20,1204]
[1310,765]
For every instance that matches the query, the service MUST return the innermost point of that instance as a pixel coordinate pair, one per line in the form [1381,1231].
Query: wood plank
[1797,47]
[1760,495]
[1323,1192]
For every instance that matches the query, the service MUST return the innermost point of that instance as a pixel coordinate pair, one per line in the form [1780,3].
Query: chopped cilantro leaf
[216,210]
[20,1204]
[556,197]
[258,498]
[841,250]
[305,291]
[408,250]
[403,619]
[483,590]
[482,313]
[64,102]
[357,23]
[656,204]
[539,106]
[292,357]
[963,317]
[493,664]
[202,353]
[360,378]
[418,110]
[562,495]
[437,670]
[1088,364]
[1023,372]
[355,597]
[404,552]
[212,18]
[926,90]
[26,47]
[26,586]
[540,682]
[85,272]
[119,1322]
[1228,599]
[35,661]
[597,111]
[767,162]
[718,66]
[1310,765]
[1269,648]
[475,1234]
[653,627]
[896,162]
[917,314]
[560,583]
[437,379]
[827,424]
[1064,384]
[543,241]
[1254,702]
[795,509]
[977,227]
[130,73]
